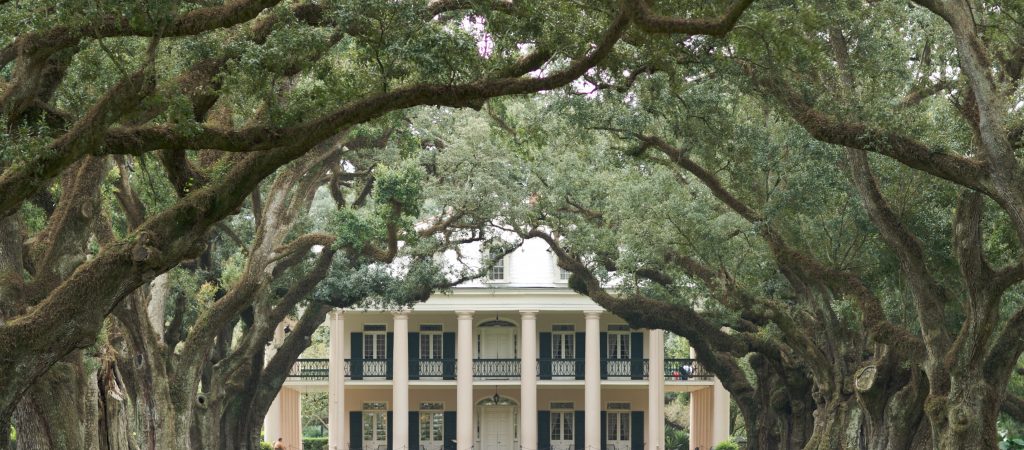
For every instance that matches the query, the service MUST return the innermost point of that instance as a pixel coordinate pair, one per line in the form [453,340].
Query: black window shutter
[636,356]
[545,356]
[580,419]
[448,353]
[390,442]
[581,355]
[355,430]
[636,427]
[604,356]
[414,430]
[414,356]
[390,352]
[543,429]
[449,429]
[604,430]
[357,356]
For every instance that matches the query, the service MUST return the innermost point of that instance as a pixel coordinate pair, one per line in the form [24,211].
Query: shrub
[314,443]
[728,445]
[264,445]
[677,439]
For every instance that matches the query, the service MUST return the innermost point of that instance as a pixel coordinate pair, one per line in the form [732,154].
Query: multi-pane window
[563,342]
[618,422]
[430,342]
[618,426]
[618,345]
[497,272]
[375,342]
[432,424]
[375,424]
[562,422]
[563,275]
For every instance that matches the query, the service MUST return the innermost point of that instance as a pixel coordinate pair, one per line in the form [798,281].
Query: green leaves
[355,228]
[398,190]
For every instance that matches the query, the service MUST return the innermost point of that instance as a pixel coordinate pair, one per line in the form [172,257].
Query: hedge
[314,443]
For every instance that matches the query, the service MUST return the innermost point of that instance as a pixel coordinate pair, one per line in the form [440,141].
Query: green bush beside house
[314,443]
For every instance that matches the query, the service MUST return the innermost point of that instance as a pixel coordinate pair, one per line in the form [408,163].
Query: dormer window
[563,275]
[499,271]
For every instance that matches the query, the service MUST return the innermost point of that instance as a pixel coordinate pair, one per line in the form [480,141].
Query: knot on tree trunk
[144,250]
[935,406]
[960,418]
[864,378]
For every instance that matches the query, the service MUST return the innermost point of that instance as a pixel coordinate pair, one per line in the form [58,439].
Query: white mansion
[515,362]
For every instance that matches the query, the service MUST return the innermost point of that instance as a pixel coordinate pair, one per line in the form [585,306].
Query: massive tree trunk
[53,413]
[967,417]
[249,393]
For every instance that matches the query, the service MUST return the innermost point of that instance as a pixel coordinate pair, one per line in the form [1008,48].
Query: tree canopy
[823,198]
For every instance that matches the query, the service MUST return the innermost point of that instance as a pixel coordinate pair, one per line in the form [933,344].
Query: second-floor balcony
[500,369]
[496,368]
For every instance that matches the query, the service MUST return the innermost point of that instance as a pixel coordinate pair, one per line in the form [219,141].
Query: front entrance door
[496,428]
[497,343]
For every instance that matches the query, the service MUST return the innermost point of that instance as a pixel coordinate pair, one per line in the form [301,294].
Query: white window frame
[618,426]
[379,346]
[504,264]
[565,419]
[563,343]
[434,419]
[561,275]
[377,419]
[622,340]
[436,342]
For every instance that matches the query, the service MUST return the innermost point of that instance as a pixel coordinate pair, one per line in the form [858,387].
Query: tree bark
[53,413]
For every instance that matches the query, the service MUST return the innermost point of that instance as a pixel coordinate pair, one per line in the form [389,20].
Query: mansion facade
[514,362]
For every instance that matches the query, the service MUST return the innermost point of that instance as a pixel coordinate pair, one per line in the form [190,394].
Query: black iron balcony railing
[685,369]
[443,368]
[623,368]
[358,369]
[310,369]
[496,368]
[548,368]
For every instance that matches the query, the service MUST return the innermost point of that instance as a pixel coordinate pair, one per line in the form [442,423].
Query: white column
[528,378]
[336,383]
[272,422]
[291,417]
[656,389]
[592,382]
[464,381]
[720,414]
[400,382]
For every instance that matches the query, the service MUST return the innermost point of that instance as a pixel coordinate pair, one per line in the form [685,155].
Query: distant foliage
[317,443]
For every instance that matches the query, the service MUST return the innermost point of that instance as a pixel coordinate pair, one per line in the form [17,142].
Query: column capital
[592,314]
[337,314]
[529,314]
[464,315]
[401,314]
